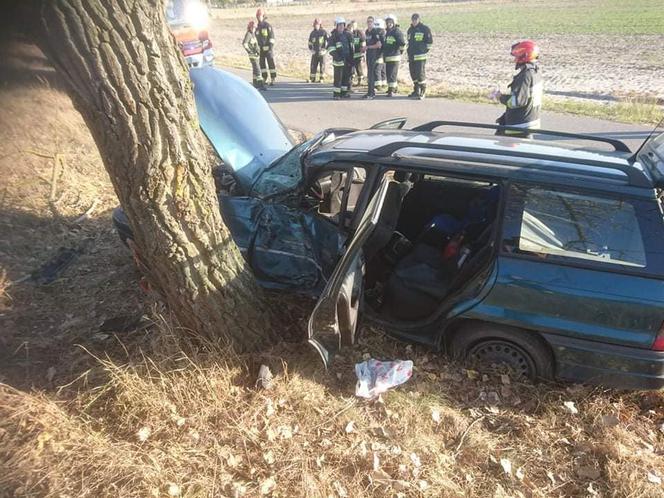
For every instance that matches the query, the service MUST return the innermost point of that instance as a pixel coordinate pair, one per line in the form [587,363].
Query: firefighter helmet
[391,17]
[251,25]
[339,20]
[317,21]
[260,13]
[379,23]
[525,51]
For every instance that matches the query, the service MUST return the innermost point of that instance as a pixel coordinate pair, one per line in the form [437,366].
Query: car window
[573,226]
[283,174]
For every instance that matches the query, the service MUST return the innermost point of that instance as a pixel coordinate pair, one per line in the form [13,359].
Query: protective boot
[416,91]
[422,92]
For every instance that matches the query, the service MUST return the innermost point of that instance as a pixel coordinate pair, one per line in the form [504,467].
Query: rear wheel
[494,346]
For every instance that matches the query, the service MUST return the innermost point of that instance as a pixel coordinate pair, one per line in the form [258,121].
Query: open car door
[390,124]
[334,320]
[651,157]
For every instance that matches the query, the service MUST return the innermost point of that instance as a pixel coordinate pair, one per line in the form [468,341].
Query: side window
[570,226]
[336,194]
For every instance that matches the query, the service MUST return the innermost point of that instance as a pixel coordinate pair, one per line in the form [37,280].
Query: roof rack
[635,177]
[618,145]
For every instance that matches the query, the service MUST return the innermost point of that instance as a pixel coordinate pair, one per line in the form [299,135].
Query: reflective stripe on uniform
[253,57]
[344,88]
[358,55]
[429,46]
[380,60]
[392,84]
[338,63]
[381,82]
[332,49]
[393,58]
[337,89]
[420,57]
[532,125]
[265,49]
[272,41]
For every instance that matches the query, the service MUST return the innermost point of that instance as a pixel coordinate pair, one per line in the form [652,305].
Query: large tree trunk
[132,87]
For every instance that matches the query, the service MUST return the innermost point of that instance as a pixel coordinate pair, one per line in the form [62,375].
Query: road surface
[309,107]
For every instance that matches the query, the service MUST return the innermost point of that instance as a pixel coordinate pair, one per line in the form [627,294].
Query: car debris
[374,377]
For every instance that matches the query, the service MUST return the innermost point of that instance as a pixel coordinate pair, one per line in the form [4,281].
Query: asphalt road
[309,107]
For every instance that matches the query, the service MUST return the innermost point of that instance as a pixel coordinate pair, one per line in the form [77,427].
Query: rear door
[334,320]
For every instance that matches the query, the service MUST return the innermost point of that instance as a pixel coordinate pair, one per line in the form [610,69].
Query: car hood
[239,123]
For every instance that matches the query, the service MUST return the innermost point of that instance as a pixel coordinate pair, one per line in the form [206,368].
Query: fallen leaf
[376,462]
[587,472]
[268,456]
[174,490]
[269,408]
[551,477]
[380,431]
[505,379]
[654,478]
[435,415]
[422,484]
[319,461]
[268,485]
[591,490]
[50,373]
[264,377]
[233,460]
[472,374]
[569,405]
[610,420]
[143,434]
[506,465]
[180,421]
[415,459]
[350,427]
[520,474]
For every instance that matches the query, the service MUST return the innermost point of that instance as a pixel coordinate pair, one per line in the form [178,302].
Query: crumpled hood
[239,123]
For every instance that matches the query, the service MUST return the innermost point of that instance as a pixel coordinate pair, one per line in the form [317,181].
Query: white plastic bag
[374,377]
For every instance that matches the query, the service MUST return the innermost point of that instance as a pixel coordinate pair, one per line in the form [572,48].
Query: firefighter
[265,38]
[318,49]
[392,50]
[251,46]
[359,48]
[381,78]
[419,44]
[374,40]
[340,47]
[524,102]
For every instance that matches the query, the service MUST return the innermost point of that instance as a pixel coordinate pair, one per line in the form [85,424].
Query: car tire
[525,352]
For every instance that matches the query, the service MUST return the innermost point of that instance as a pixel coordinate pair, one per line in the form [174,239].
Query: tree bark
[130,83]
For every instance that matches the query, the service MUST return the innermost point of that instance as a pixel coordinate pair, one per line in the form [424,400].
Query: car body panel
[285,247]
[241,126]
[586,304]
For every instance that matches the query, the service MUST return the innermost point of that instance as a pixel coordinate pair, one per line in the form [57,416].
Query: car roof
[495,156]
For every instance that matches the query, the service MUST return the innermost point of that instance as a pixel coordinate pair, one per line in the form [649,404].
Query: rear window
[582,228]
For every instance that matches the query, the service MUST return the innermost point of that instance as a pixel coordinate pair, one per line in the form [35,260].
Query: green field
[612,17]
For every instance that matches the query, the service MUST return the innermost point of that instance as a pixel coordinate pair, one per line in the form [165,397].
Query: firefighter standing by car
[420,41]
[374,40]
[251,46]
[392,50]
[524,102]
[359,48]
[265,38]
[318,48]
[381,78]
[340,47]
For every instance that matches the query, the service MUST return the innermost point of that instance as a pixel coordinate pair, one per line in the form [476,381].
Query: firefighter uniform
[251,46]
[359,47]
[392,50]
[374,60]
[318,48]
[419,44]
[265,39]
[340,47]
[524,102]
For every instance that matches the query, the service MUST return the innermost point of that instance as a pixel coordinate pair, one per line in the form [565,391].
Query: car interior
[439,237]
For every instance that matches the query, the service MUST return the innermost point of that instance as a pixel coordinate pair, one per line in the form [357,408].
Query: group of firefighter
[381,47]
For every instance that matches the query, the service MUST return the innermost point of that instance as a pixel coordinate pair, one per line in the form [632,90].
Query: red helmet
[318,21]
[251,25]
[525,51]
[260,12]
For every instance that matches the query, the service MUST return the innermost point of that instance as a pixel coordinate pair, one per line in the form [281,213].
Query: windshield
[284,173]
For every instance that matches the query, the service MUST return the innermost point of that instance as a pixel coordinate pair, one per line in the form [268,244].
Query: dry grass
[186,419]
